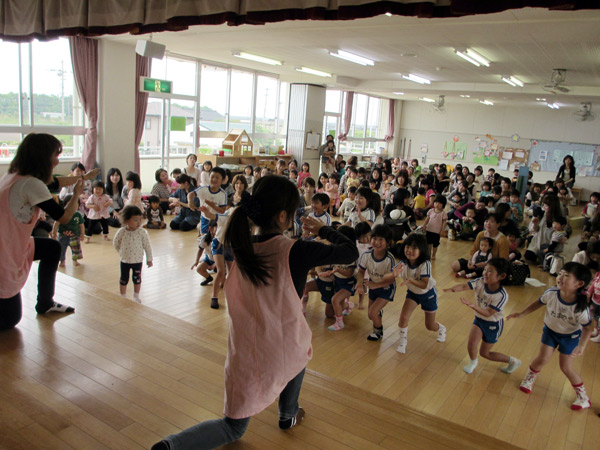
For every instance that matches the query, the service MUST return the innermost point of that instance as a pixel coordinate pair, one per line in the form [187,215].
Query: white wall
[116,116]
[420,124]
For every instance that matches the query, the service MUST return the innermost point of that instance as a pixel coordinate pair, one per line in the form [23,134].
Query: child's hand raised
[311,225]
[398,270]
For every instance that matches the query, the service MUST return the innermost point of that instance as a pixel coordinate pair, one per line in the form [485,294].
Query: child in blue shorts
[344,284]
[415,269]
[490,300]
[379,264]
[205,249]
[567,326]
[321,281]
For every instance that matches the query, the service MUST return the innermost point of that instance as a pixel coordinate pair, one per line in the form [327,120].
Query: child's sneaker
[527,383]
[348,309]
[441,333]
[337,326]
[470,367]
[582,401]
[402,345]
[376,334]
[206,281]
[595,339]
[513,365]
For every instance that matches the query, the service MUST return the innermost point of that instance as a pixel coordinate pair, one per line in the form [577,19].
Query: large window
[228,98]
[38,93]
[368,126]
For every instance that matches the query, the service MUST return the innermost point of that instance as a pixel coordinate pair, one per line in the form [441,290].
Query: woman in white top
[23,194]
[191,170]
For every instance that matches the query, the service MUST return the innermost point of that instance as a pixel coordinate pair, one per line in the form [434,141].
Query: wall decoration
[454,150]
[424,148]
[536,166]
[515,137]
[486,153]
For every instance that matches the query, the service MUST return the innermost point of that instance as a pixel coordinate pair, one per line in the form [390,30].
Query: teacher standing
[23,195]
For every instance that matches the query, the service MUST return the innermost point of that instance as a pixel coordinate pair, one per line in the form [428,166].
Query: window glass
[72,145]
[181,142]
[209,145]
[8,145]
[284,96]
[359,113]
[240,102]
[53,83]
[183,75]
[151,143]
[9,84]
[266,105]
[213,98]
[333,102]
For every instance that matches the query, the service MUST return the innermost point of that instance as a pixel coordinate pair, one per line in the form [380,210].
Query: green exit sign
[154,85]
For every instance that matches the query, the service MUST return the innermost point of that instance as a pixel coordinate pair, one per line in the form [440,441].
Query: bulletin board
[548,156]
[511,158]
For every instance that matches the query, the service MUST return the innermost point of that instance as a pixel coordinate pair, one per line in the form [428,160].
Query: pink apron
[269,339]
[16,243]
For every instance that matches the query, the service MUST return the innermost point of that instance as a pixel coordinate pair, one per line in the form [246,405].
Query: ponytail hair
[271,195]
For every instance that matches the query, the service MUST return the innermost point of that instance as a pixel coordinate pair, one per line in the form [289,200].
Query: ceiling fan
[557,79]
[585,112]
[438,106]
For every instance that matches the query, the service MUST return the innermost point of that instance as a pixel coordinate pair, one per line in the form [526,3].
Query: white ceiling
[526,43]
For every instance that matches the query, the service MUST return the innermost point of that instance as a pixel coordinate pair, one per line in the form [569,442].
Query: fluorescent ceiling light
[465,96]
[428,100]
[486,102]
[313,72]
[541,99]
[416,79]
[517,81]
[467,58]
[398,93]
[553,106]
[257,58]
[388,14]
[508,81]
[477,57]
[353,58]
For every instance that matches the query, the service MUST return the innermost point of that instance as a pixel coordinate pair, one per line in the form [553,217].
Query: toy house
[238,142]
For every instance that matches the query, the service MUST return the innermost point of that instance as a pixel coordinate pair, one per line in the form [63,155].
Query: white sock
[469,368]
[404,333]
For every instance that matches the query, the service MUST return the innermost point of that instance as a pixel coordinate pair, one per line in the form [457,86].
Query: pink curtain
[84,55]
[390,129]
[143,66]
[347,119]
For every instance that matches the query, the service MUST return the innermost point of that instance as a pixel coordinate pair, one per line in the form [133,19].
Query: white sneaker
[402,345]
[513,365]
[469,368]
[582,401]
[596,339]
[527,383]
[441,333]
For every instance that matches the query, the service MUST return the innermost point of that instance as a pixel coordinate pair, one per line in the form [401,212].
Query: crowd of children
[378,211]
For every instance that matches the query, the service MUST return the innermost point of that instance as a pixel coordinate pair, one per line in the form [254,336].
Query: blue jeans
[215,433]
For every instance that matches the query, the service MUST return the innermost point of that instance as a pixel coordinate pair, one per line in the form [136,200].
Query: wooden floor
[120,375]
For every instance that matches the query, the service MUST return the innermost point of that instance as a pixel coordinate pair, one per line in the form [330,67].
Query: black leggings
[47,252]
[136,277]
[92,224]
